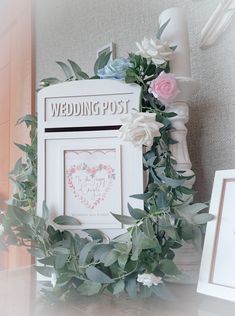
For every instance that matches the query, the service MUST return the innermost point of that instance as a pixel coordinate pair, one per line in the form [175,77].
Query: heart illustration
[90,184]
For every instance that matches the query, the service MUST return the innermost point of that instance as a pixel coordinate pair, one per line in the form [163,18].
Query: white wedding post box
[84,169]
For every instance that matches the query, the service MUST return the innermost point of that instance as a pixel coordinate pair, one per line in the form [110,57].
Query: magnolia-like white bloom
[53,279]
[149,279]
[1,229]
[158,51]
[140,128]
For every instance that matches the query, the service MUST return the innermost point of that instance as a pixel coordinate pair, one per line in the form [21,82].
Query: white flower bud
[149,279]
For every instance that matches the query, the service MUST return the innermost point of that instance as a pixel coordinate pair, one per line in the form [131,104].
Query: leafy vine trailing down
[141,260]
[24,180]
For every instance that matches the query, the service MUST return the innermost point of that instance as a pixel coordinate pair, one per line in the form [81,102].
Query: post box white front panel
[87,103]
[86,173]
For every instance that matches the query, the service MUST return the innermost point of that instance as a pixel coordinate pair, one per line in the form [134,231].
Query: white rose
[53,279]
[158,51]
[1,229]
[149,279]
[140,128]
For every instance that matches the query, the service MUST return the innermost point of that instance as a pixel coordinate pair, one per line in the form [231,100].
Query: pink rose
[164,87]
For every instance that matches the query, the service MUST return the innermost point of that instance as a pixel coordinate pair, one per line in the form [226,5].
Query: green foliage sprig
[24,174]
[24,191]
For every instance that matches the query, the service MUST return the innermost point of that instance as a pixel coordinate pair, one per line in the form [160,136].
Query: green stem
[125,275]
[146,70]
[150,78]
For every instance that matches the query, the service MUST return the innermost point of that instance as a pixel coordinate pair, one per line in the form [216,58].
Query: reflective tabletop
[20,296]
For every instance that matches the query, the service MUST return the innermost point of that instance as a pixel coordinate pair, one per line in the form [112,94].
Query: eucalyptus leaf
[66,69]
[131,287]
[17,168]
[136,213]
[79,74]
[122,260]
[187,191]
[170,114]
[187,231]
[144,196]
[171,232]
[174,183]
[148,228]
[49,81]
[123,247]
[66,220]
[197,239]
[36,252]
[151,161]
[23,216]
[64,278]
[161,291]
[162,199]
[101,61]
[123,238]
[45,211]
[11,219]
[168,267]
[191,209]
[94,233]
[85,252]
[131,76]
[202,218]
[60,261]
[60,250]
[28,119]
[89,288]
[49,261]
[162,28]
[124,219]
[46,271]
[98,276]
[118,287]
[111,257]
[148,243]
[137,239]
[102,251]
[24,148]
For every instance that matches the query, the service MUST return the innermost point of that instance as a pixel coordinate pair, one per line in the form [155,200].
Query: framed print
[92,184]
[217,274]
[111,47]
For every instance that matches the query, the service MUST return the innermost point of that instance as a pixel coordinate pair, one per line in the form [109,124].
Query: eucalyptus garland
[141,260]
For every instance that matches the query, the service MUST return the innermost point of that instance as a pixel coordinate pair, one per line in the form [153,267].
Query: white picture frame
[129,178]
[110,47]
[217,276]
